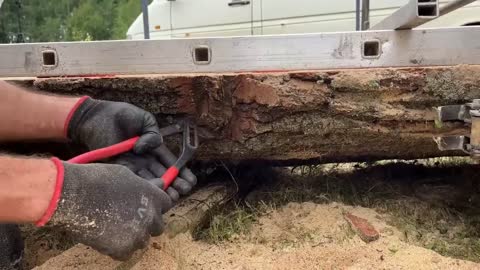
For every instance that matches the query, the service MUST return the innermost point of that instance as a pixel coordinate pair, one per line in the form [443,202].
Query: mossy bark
[297,117]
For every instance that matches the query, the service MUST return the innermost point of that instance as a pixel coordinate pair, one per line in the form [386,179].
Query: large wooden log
[292,117]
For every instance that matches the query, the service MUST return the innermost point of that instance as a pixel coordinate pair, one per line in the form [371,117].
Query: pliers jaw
[468,113]
[189,143]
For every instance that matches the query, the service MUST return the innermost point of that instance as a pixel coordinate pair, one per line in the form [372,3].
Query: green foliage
[66,20]
[9,22]
[92,20]
[126,14]
[225,224]
[45,20]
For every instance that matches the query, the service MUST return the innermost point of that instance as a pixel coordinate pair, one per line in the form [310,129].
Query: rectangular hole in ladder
[427,11]
[201,55]
[427,8]
[371,49]
[49,58]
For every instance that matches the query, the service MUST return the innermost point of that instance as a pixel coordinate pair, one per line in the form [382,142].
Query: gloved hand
[106,207]
[97,124]
[148,167]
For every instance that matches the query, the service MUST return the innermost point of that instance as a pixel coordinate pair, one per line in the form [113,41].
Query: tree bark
[298,117]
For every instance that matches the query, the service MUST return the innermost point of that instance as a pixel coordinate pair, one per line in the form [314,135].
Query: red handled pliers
[190,144]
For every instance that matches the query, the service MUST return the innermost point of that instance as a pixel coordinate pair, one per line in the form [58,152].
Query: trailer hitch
[468,113]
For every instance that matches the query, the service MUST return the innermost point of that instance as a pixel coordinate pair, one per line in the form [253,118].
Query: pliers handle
[127,146]
[190,144]
[106,152]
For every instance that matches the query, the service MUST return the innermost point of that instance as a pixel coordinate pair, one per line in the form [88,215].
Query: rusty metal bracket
[468,113]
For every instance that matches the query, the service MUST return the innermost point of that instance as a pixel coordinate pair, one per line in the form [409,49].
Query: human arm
[26,187]
[89,122]
[28,115]
[104,206]
[33,115]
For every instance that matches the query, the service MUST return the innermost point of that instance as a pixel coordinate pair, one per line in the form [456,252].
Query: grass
[434,202]
[225,224]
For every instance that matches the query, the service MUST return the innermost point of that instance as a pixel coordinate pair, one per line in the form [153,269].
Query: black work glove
[98,123]
[148,167]
[108,207]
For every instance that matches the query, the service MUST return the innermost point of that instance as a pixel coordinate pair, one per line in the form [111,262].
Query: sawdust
[43,244]
[296,220]
[295,236]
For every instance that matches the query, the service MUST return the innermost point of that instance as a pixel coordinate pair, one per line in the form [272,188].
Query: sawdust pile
[295,236]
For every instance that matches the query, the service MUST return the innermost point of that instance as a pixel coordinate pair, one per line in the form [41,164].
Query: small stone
[156,245]
[387,231]
[362,227]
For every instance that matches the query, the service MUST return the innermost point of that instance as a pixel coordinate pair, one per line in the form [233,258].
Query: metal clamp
[468,113]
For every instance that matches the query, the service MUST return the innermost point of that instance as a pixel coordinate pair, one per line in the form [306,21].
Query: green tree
[11,22]
[92,20]
[127,12]
[66,20]
[46,20]
[37,20]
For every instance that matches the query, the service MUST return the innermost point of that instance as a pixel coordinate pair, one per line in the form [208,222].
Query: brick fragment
[362,227]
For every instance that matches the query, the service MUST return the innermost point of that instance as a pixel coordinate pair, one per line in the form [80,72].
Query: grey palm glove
[98,123]
[107,207]
[148,167]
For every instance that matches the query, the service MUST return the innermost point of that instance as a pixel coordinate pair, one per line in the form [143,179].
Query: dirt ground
[426,213]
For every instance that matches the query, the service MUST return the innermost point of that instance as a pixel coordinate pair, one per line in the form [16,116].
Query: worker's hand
[97,124]
[107,207]
[148,167]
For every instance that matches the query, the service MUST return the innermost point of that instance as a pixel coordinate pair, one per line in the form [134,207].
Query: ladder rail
[416,13]
[454,5]
[358,49]
[411,15]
